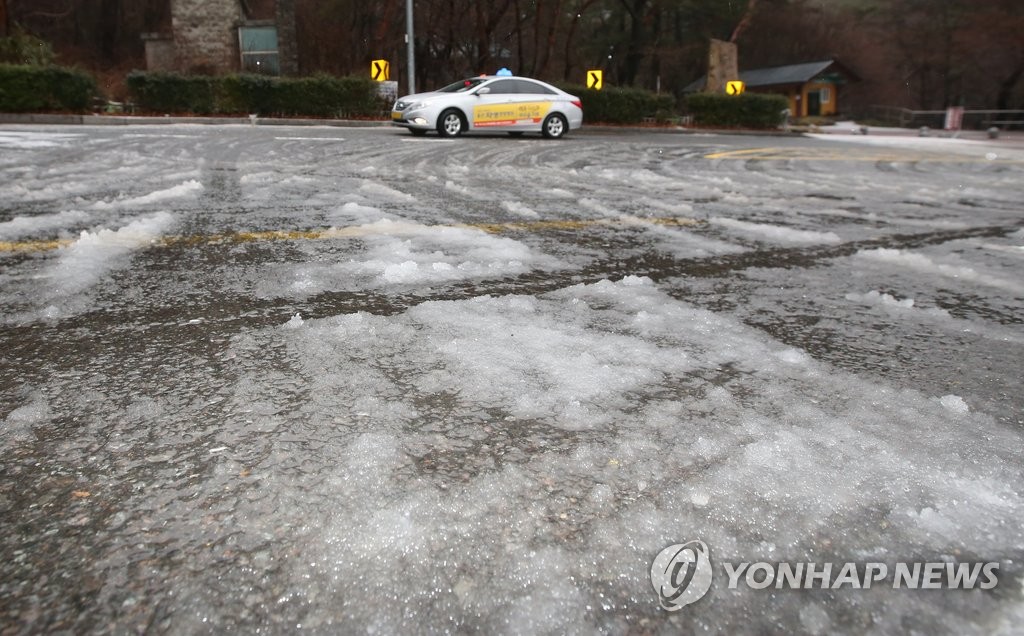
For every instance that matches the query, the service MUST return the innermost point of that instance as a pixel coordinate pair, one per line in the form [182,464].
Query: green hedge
[171,93]
[317,96]
[42,88]
[612,105]
[749,110]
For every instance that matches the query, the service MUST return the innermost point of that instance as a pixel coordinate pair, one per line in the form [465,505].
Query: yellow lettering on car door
[510,114]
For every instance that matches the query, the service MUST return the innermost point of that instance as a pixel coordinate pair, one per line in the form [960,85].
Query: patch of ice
[19,423]
[21,226]
[457,188]
[771,452]
[30,139]
[676,208]
[560,193]
[922,263]
[954,403]
[777,232]
[84,262]
[519,208]
[874,297]
[188,189]
[406,253]
[596,206]
[375,189]
[793,356]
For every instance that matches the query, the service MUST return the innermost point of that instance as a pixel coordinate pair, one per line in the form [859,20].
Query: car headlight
[422,104]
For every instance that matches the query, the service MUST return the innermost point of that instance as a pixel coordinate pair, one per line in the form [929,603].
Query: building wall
[827,93]
[160,54]
[799,97]
[206,35]
[287,37]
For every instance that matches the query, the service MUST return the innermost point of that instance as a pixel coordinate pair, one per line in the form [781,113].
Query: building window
[259,49]
[826,95]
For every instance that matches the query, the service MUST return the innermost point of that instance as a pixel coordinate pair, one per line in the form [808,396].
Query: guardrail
[974,119]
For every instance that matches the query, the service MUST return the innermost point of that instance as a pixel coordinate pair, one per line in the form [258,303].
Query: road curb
[64,119]
[146,120]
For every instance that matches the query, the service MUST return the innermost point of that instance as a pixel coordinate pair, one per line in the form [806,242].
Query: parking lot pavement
[264,377]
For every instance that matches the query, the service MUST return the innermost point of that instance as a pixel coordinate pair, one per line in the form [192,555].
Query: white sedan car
[491,102]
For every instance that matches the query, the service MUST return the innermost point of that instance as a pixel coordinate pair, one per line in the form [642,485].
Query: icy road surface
[263,379]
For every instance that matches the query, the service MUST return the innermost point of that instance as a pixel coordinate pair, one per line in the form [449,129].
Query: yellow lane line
[738,154]
[396,228]
[33,246]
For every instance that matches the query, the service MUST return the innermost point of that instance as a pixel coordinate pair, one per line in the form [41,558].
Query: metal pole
[410,46]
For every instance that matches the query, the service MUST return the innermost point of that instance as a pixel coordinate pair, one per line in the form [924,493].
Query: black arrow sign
[595,80]
[380,71]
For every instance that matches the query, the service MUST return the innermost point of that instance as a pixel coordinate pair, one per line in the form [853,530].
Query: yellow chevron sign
[595,80]
[735,87]
[380,70]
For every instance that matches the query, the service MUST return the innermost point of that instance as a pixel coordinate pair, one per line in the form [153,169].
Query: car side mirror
[483,91]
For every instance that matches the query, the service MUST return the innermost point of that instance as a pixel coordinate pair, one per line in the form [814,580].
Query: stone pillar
[159,52]
[287,38]
[723,66]
[206,35]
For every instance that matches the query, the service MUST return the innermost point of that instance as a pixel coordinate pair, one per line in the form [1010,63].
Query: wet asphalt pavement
[259,378]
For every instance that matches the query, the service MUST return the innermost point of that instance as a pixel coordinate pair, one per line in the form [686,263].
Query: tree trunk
[744,22]
[571,35]
[635,46]
[1007,86]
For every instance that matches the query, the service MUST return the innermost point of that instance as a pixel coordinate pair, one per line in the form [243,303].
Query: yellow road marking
[393,229]
[33,246]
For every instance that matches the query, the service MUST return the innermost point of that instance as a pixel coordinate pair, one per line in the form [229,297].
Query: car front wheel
[450,124]
[554,126]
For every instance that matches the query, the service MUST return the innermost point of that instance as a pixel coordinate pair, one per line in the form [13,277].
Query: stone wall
[723,66]
[160,54]
[206,35]
[287,38]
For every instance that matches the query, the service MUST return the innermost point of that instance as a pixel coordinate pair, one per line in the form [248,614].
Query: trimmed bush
[317,96]
[172,93]
[327,96]
[749,110]
[44,88]
[247,94]
[612,105]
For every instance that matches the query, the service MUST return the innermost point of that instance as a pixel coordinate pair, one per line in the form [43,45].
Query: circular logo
[681,574]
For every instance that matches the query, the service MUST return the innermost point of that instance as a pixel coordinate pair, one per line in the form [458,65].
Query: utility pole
[410,43]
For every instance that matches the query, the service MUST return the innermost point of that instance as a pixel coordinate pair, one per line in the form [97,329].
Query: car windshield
[463,85]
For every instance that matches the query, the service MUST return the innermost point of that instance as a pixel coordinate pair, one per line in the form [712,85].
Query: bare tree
[745,21]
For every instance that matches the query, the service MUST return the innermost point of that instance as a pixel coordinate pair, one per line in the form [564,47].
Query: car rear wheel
[554,126]
[451,123]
